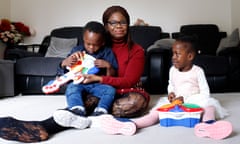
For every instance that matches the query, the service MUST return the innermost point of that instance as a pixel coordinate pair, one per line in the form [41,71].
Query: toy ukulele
[84,66]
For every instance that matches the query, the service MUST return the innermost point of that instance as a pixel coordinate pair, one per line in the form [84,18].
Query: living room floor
[40,107]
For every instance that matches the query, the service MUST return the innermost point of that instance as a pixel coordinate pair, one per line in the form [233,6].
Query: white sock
[78,107]
[100,109]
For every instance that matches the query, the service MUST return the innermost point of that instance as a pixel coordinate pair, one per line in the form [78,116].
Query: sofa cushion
[229,42]
[163,43]
[145,35]
[208,36]
[213,65]
[37,66]
[60,47]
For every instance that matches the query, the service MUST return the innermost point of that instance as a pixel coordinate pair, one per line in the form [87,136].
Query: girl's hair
[96,27]
[191,39]
[108,13]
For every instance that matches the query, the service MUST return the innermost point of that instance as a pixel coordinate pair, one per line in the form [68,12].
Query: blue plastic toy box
[187,115]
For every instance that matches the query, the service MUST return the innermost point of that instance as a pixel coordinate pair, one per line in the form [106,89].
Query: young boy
[93,44]
[187,83]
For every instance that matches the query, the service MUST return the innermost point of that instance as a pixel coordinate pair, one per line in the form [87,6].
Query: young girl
[187,83]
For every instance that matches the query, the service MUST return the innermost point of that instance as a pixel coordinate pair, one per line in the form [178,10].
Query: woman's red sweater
[130,66]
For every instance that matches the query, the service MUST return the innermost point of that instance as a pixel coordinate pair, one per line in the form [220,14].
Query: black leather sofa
[222,71]
[33,70]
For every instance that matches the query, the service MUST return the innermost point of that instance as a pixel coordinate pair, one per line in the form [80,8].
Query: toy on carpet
[179,114]
[84,66]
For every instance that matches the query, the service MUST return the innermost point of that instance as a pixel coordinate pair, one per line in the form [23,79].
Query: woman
[131,100]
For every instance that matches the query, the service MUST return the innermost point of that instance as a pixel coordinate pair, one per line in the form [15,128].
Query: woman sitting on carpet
[130,58]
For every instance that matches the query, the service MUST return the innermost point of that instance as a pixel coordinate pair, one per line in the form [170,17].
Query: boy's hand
[72,59]
[89,78]
[171,97]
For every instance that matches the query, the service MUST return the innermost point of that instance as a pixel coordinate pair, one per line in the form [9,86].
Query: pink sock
[147,120]
[209,113]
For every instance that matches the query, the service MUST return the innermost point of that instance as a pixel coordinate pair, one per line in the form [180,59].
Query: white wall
[4,9]
[44,15]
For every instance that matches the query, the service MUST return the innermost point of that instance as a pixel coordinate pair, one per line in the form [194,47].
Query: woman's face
[117,26]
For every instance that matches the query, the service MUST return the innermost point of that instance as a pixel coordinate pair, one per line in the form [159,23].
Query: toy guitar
[85,66]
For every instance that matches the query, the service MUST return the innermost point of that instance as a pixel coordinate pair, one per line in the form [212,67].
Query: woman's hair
[108,13]
[96,27]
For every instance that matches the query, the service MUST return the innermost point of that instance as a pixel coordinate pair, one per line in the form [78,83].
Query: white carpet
[41,107]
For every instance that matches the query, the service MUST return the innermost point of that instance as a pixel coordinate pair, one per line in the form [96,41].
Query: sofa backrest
[147,35]
[208,36]
[69,32]
[143,35]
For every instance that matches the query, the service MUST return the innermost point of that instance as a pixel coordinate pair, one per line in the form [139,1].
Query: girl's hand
[180,98]
[171,97]
[89,78]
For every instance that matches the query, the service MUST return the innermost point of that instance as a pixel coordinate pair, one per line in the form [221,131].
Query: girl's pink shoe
[217,130]
[113,126]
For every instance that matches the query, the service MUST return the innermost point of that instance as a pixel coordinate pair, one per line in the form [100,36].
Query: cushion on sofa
[60,47]
[229,42]
[145,35]
[163,43]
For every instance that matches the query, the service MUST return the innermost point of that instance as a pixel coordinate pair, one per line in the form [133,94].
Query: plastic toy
[84,66]
[178,114]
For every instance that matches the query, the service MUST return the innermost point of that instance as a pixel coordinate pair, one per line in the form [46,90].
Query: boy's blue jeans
[105,93]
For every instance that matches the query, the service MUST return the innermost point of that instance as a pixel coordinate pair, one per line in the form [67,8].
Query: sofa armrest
[222,34]
[158,63]
[23,51]
[165,35]
[32,73]
[175,35]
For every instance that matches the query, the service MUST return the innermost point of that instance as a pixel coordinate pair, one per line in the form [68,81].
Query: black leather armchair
[208,36]
[218,68]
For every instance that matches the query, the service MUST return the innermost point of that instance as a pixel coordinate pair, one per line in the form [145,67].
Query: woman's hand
[89,78]
[105,64]
[102,63]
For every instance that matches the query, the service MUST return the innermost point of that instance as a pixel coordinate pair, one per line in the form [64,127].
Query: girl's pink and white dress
[193,86]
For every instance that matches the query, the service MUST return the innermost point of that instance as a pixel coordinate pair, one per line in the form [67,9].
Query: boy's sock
[78,110]
[113,125]
[99,111]
[71,118]
[217,130]
[22,131]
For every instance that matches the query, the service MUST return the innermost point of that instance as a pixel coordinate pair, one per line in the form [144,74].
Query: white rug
[42,107]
